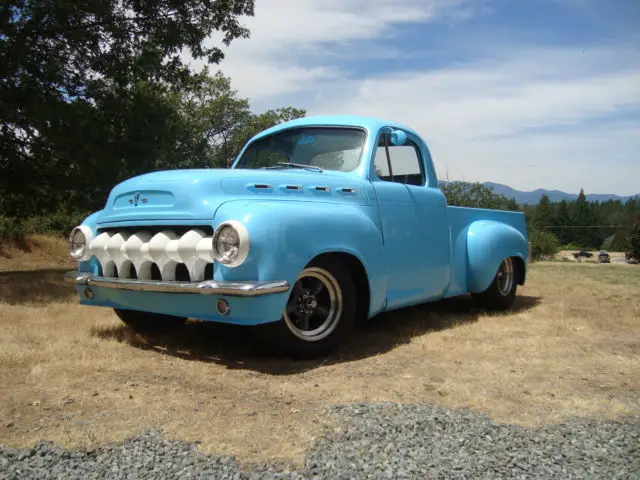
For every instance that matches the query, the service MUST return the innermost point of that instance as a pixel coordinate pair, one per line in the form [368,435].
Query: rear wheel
[147,322]
[502,292]
[319,314]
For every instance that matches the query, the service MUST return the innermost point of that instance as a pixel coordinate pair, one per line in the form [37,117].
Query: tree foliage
[585,224]
[476,195]
[93,92]
[88,86]
[543,243]
[633,240]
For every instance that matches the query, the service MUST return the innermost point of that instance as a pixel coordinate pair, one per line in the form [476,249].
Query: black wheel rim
[315,305]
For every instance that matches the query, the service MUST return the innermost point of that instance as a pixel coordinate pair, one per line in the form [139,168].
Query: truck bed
[459,220]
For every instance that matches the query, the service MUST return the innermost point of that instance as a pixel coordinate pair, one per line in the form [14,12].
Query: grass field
[75,375]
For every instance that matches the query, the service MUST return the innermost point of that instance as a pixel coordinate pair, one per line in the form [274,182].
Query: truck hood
[185,195]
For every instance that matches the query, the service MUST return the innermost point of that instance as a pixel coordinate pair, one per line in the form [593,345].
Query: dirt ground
[77,376]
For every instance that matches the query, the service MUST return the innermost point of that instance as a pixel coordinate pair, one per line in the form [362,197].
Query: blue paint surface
[243,311]
[413,247]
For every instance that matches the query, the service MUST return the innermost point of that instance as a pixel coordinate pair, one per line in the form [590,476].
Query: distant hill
[554,195]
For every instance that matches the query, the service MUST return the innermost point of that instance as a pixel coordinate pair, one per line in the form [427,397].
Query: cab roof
[371,124]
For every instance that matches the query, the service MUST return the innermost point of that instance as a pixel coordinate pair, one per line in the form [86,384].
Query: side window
[381,165]
[406,163]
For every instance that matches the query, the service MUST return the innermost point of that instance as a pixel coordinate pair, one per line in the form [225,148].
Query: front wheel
[502,292]
[319,314]
[148,323]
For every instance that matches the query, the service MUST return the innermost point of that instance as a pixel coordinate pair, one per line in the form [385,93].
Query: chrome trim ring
[505,277]
[315,305]
[88,238]
[243,245]
[207,287]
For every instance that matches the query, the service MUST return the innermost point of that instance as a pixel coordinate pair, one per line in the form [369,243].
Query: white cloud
[518,114]
[600,159]
[292,42]
[486,121]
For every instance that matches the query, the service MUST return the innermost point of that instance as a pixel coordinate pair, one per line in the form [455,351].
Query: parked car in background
[604,257]
[582,253]
[320,222]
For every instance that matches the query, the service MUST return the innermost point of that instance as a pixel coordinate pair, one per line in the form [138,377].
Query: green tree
[255,124]
[215,112]
[223,120]
[87,87]
[584,220]
[633,241]
[562,222]
[544,244]
[466,194]
[543,216]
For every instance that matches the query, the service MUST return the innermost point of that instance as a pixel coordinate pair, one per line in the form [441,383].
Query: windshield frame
[237,164]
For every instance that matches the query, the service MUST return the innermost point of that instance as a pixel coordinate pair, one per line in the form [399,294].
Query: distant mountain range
[554,195]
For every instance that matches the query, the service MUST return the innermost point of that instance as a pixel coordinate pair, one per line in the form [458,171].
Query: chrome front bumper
[206,287]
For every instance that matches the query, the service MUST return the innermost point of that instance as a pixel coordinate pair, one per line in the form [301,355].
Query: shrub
[57,223]
[10,228]
[633,241]
[544,244]
[570,246]
[616,242]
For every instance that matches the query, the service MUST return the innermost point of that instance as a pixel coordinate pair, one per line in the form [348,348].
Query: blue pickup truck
[319,223]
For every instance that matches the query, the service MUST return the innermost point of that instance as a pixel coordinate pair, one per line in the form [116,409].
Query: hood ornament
[136,198]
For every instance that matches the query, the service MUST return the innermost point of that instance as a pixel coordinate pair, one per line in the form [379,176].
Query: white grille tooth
[108,268]
[168,271]
[157,250]
[98,248]
[172,250]
[115,250]
[133,250]
[144,249]
[196,272]
[187,250]
[204,249]
[144,270]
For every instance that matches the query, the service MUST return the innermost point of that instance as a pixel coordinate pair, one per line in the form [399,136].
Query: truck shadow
[235,348]
[34,286]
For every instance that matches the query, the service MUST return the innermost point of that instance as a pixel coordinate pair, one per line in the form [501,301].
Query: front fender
[488,243]
[286,235]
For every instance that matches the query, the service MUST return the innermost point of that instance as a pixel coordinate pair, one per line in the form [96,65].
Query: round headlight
[79,241]
[231,243]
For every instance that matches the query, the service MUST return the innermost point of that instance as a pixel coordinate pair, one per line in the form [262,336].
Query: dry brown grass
[76,376]
[35,252]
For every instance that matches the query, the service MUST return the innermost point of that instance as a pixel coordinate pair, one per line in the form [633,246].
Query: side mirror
[398,137]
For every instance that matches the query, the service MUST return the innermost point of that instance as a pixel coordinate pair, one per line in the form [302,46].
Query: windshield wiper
[295,165]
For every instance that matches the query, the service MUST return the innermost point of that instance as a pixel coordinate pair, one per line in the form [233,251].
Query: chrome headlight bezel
[243,243]
[85,253]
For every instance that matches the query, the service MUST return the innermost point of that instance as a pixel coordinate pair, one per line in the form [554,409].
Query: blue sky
[531,93]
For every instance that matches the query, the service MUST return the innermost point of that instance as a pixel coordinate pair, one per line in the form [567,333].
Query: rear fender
[488,244]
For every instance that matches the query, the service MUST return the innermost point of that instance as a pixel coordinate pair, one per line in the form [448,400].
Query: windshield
[316,147]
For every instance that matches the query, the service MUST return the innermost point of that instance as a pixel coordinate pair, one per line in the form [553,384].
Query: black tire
[502,292]
[150,323]
[293,337]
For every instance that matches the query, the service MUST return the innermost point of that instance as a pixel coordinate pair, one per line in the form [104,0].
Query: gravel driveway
[385,441]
